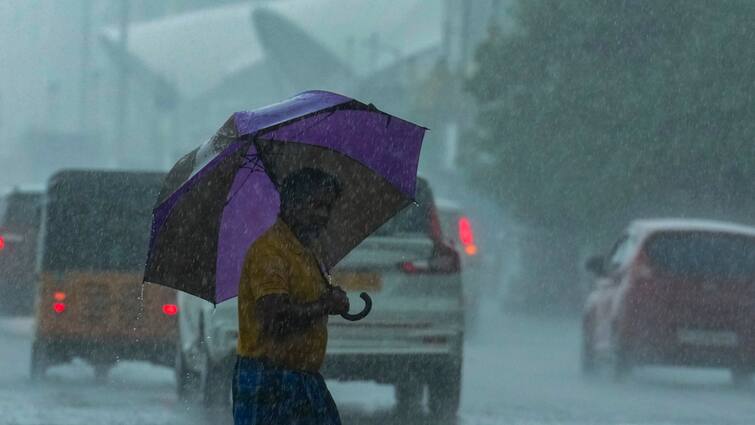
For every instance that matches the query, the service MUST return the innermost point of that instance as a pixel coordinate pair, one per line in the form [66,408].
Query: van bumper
[106,350]
[388,368]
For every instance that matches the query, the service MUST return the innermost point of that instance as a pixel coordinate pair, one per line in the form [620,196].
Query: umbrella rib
[253,162]
[256,167]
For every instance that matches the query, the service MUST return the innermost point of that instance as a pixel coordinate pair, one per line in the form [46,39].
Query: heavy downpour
[461,212]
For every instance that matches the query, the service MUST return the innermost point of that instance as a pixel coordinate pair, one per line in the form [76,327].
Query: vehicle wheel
[741,377]
[588,361]
[214,383]
[408,395]
[39,360]
[445,391]
[187,380]
[620,363]
[101,372]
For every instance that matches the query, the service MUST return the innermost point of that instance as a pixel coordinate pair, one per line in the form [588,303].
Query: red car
[674,292]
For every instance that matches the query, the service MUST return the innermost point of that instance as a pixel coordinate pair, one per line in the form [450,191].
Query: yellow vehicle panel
[104,306]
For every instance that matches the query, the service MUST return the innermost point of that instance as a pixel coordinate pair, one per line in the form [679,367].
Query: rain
[574,243]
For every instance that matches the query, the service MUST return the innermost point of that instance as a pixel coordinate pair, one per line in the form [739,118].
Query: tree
[599,111]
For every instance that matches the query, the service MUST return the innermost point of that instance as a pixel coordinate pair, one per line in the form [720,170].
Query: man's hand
[280,317]
[335,301]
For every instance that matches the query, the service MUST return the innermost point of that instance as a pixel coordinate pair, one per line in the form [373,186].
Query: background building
[88,97]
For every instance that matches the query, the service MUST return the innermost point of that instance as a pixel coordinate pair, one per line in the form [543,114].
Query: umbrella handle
[365,311]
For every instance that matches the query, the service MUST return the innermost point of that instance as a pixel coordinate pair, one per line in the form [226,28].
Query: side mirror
[596,265]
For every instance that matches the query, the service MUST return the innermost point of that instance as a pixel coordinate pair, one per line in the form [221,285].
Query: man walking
[284,303]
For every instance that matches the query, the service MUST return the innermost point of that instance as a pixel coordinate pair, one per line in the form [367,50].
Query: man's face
[310,216]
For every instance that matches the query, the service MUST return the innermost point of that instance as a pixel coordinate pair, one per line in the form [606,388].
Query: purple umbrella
[219,198]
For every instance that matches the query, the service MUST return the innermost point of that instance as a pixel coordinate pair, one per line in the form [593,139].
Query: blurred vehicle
[413,339]
[19,225]
[674,292]
[91,302]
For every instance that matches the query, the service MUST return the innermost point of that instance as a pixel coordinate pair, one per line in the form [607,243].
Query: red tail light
[445,260]
[466,236]
[408,267]
[170,309]
[58,307]
[2,242]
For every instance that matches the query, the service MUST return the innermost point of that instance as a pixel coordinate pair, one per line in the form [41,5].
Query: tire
[741,377]
[409,394]
[39,361]
[588,362]
[620,364]
[444,390]
[101,372]
[215,383]
[187,380]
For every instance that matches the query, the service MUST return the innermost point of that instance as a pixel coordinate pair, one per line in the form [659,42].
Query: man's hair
[299,184]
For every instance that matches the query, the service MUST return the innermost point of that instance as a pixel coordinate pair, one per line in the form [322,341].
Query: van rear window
[98,220]
[703,254]
[414,219]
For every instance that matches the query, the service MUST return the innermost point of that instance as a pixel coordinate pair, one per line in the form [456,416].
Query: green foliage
[595,111]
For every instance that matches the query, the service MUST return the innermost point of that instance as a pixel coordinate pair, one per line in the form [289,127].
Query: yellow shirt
[277,263]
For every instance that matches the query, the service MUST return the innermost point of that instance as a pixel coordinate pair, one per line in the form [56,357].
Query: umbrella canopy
[218,199]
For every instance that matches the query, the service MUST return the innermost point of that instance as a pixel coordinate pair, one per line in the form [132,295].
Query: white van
[413,337]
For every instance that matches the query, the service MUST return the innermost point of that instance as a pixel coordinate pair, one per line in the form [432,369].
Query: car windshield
[703,254]
[98,221]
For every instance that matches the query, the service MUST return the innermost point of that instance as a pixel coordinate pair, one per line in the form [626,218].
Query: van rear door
[414,280]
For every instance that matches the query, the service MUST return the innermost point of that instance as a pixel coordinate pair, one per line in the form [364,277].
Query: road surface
[517,370]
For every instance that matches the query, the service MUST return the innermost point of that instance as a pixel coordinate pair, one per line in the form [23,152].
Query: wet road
[524,371]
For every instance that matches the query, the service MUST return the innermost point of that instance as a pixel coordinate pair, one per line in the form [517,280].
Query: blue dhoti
[266,394]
